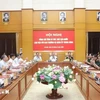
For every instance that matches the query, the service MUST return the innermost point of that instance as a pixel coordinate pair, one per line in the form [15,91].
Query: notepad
[97,72]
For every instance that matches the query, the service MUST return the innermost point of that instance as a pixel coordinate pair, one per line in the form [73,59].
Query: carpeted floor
[38,91]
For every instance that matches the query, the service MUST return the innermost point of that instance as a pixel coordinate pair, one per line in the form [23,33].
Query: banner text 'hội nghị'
[53,40]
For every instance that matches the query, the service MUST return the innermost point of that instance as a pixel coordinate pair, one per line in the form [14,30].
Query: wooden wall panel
[27,30]
[10,28]
[22,87]
[85,87]
[93,93]
[80,26]
[54,27]
[93,27]
[80,34]
[27,43]
[80,45]
[14,26]
[91,16]
[79,15]
[13,95]
[91,21]
[26,21]
[27,35]
[53,20]
[27,26]
[27,16]
[14,22]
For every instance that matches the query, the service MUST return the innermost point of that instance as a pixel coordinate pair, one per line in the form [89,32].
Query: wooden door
[93,42]
[7,43]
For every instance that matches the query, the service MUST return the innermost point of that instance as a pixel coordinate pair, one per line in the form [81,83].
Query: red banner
[53,40]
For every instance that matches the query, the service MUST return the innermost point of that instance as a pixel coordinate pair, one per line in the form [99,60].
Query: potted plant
[56,76]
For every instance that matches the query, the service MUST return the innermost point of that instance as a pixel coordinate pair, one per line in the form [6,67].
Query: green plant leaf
[57,85]
[48,79]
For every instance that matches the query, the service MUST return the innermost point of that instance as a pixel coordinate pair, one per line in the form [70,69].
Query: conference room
[50,50]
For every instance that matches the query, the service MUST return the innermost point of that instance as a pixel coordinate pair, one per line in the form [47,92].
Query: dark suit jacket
[5,20]
[98,19]
[63,19]
[69,57]
[44,19]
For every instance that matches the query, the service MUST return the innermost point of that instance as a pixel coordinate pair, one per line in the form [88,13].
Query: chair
[72,53]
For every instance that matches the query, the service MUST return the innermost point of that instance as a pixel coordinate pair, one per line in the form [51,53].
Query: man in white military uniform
[53,57]
[37,57]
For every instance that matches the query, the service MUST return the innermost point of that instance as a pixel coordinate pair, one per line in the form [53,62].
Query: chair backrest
[36,52]
[72,53]
[53,52]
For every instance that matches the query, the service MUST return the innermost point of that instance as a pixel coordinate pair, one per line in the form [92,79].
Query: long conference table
[19,86]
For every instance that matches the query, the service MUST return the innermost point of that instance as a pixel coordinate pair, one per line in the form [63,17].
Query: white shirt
[3,64]
[16,60]
[21,60]
[37,58]
[53,58]
[14,65]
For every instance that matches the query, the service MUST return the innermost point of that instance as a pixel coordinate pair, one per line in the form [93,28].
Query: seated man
[53,57]
[69,57]
[11,60]
[97,63]
[88,58]
[37,57]
[4,65]
[16,60]
[21,58]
